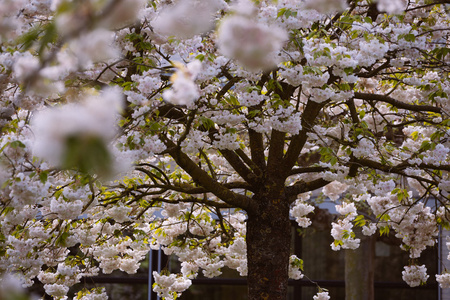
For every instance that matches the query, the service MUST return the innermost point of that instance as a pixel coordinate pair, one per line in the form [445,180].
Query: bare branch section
[199,175]
[396,103]
[194,200]
[303,187]
[310,113]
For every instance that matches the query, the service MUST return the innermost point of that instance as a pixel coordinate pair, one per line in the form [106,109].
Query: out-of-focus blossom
[61,131]
[187,18]
[95,46]
[391,6]
[255,45]
[326,6]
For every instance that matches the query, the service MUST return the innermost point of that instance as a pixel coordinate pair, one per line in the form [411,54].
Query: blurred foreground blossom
[95,46]
[73,16]
[11,288]
[253,44]
[391,6]
[187,18]
[77,134]
[326,6]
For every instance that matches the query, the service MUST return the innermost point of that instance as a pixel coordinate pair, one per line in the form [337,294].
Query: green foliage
[87,154]
[360,221]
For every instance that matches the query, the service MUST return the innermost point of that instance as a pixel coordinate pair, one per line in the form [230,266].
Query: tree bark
[268,250]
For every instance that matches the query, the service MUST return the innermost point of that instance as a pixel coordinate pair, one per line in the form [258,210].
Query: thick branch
[256,139]
[186,188]
[301,187]
[257,148]
[202,177]
[353,112]
[194,200]
[396,103]
[235,161]
[249,162]
[373,72]
[276,149]
[399,169]
[307,170]
[310,113]
[376,165]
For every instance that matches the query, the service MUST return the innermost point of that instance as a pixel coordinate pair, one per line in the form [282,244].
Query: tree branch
[309,115]
[257,148]
[275,153]
[202,177]
[301,187]
[235,161]
[396,103]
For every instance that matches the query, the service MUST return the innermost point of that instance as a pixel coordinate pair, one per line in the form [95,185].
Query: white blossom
[415,275]
[184,91]
[186,18]
[94,117]
[253,44]
[321,296]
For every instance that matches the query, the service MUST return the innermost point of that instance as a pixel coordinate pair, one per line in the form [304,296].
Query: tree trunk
[359,270]
[268,250]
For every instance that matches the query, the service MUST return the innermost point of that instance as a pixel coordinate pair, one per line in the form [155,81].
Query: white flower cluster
[227,141]
[322,296]
[370,229]
[415,275]
[295,267]
[299,211]
[334,189]
[184,91]
[437,156]
[444,280]
[286,120]
[391,7]
[326,6]
[169,286]
[95,46]
[94,294]
[414,224]
[342,230]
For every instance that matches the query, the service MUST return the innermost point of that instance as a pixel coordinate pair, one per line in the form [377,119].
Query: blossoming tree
[202,127]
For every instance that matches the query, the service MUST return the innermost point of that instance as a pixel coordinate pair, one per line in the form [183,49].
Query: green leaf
[200,57]
[87,154]
[49,37]
[426,145]
[61,240]
[384,230]
[30,37]
[43,176]
[281,12]
[410,37]
[359,221]
[207,123]
[17,144]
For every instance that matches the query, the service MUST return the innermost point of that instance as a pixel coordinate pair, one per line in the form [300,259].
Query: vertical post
[439,261]
[159,265]
[359,270]
[154,264]
[150,276]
